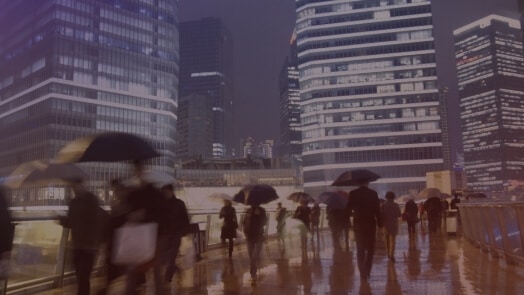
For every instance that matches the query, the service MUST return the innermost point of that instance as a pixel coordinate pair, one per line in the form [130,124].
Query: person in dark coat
[314,218]
[365,205]
[177,228]
[454,202]
[303,213]
[253,223]
[336,221]
[280,217]
[7,232]
[87,222]
[433,207]
[390,218]
[411,213]
[229,228]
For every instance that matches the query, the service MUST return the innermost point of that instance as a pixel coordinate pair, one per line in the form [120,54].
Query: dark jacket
[433,206]
[7,228]
[229,228]
[254,222]
[365,205]
[178,216]
[153,202]
[411,211]
[303,213]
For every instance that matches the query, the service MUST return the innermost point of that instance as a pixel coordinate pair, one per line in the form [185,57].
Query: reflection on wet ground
[424,265]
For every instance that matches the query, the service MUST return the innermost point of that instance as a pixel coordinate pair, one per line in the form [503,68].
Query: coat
[411,211]
[390,217]
[365,205]
[229,228]
[254,222]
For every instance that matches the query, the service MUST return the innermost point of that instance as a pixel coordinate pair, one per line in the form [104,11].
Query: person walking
[454,202]
[314,218]
[433,208]
[411,213]
[253,224]
[87,222]
[335,221]
[177,228]
[390,218]
[365,205]
[303,213]
[229,228]
[280,216]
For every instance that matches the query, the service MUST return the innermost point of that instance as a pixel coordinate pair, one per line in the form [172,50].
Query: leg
[83,260]
[250,254]
[230,248]
[172,253]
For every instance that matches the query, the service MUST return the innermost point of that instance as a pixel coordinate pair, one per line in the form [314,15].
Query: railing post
[61,258]
[520,219]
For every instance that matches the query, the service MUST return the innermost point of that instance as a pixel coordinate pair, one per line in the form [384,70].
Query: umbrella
[335,200]
[256,194]
[355,177]
[106,147]
[429,193]
[300,196]
[220,196]
[36,172]
[158,178]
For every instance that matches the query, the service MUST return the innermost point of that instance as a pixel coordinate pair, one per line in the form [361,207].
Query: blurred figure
[177,228]
[88,223]
[314,218]
[335,221]
[303,213]
[390,218]
[254,222]
[433,208]
[454,202]
[229,228]
[365,205]
[411,213]
[7,232]
[147,204]
[280,216]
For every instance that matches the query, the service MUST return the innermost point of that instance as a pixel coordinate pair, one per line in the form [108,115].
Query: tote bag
[134,243]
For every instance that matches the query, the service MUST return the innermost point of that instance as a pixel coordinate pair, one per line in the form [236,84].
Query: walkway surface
[438,264]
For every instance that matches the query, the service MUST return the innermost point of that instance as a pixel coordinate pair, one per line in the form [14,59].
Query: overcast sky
[261,30]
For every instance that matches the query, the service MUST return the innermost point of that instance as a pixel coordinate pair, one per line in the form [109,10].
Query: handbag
[134,243]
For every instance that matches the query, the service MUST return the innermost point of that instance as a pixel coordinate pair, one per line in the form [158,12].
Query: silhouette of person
[229,228]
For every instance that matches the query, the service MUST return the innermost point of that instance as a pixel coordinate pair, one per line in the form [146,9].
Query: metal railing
[495,227]
[41,258]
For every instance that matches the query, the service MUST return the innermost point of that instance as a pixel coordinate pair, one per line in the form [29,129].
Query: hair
[390,195]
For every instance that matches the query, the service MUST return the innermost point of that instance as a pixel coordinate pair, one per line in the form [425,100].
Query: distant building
[290,133]
[446,181]
[206,69]
[368,92]
[490,67]
[74,68]
[262,150]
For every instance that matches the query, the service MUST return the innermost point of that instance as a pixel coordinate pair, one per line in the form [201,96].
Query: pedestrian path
[438,264]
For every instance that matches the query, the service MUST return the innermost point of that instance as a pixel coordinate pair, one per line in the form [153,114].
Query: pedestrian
[390,218]
[88,223]
[253,224]
[7,232]
[314,218]
[146,204]
[280,217]
[454,202]
[177,228]
[365,205]
[411,214]
[433,208]
[335,218]
[303,213]
[229,227]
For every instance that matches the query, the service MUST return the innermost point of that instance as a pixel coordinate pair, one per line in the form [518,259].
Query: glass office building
[368,90]
[206,69]
[71,68]
[490,68]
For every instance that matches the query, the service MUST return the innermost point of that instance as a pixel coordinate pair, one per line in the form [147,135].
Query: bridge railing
[497,227]
[41,258]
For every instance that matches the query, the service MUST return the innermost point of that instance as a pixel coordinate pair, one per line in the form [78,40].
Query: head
[168,191]
[279,205]
[390,196]
[303,203]
[228,203]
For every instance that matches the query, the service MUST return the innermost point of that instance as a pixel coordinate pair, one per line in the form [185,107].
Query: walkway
[438,264]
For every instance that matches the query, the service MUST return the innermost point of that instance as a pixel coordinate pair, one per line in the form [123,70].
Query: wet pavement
[438,264]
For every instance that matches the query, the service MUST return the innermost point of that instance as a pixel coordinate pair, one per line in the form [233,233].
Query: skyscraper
[369,96]
[206,69]
[73,68]
[490,67]
[290,134]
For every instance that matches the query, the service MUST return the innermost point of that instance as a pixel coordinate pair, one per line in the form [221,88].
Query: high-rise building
[369,96]
[290,134]
[73,68]
[490,68]
[262,150]
[206,69]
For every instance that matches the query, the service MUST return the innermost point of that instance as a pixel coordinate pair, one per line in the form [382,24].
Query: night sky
[261,30]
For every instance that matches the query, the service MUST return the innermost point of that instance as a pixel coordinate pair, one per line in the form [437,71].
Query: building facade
[490,68]
[73,68]
[206,69]
[369,96]
[290,133]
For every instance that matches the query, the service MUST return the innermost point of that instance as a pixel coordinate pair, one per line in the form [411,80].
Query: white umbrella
[220,197]
[157,178]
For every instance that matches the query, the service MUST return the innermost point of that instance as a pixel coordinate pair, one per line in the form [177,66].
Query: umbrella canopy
[157,178]
[429,192]
[106,147]
[355,177]
[220,197]
[256,194]
[300,196]
[335,200]
[38,172]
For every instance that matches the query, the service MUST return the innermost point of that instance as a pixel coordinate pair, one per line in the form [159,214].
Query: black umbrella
[300,196]
[335,200]
[256,194]
[106,147]
[355,177]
